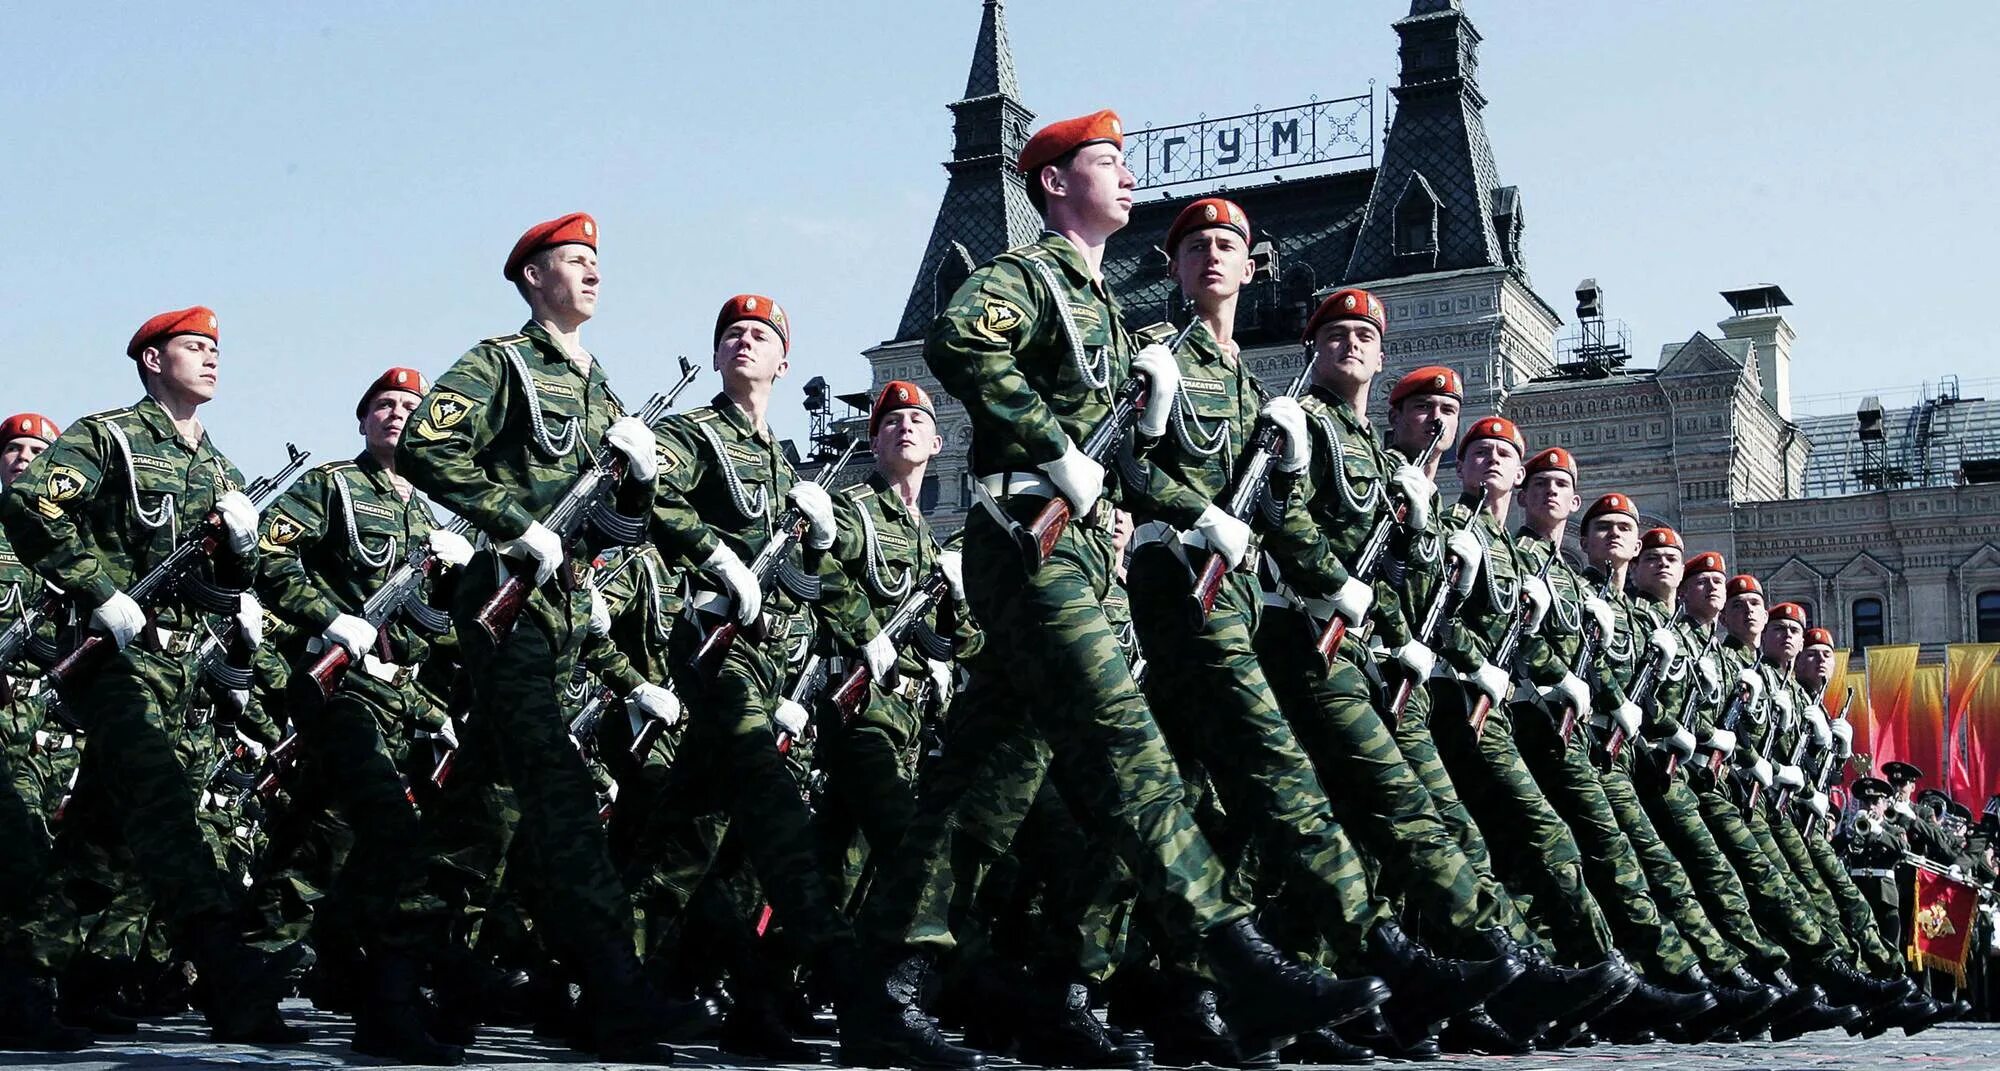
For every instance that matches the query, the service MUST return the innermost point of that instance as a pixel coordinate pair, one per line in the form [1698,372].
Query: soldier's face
[1349,354]
[14,458]
[905,439]
[1122,527]
[1093,191]
[751,352]
[1550,496]
[1212,265]
[1814,664]
[1613,537]
[382,422]
[1704,594]
[185,366]
[563,282]
[1490,465]
[1658,571]
[1782,640]
[1744,617]
[1411,421]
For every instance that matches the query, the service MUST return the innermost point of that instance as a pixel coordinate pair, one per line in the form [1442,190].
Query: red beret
[1789,611]
[577,228]
[1430,379]
[1708,561]
[198,320]
[1493,427]
[753,307]
[403,379]
[1744,584]
[1661,537]
[1611,503]
[899,394]
[1203,214]
[1819,637]
[28,426]
[1053,141]
[1553,459]
[1352,303]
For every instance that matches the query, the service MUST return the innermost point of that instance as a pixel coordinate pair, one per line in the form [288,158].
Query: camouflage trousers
[1534,853]
[1855,913]
[1671,887]
[1677,816]
[1217,708]
[1610,864]
[1772,899]
[24,864]
[870,793]
[1806,877]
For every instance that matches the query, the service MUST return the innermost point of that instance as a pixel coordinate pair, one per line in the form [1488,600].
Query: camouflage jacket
[1212,421]
[331,541]
[885,550]
[507,429]
[1754,724]
[1671,683]
[1487,612]
[644,599]
[1707,678]
[110,499]
[1333,506]
[1562,631]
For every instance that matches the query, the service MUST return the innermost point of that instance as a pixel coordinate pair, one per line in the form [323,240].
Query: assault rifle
[1586,662]
[1695,693]
[903,627]
[1253,475]
[1798,755]
[1643,687]
[773,565]
[1830,764]
[1370,557]
[805,691]
[17,642]
[398,594]
[1506,653]
[1037,539]
[176,574]
[1434,614]
[588,500]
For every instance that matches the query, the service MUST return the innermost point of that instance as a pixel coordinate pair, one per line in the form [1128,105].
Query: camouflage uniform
[500,437]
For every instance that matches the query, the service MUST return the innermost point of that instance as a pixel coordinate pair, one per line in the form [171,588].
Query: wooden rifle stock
[1370,557]
[1510,646]
[1434,614]
[1253,475]
[1039,536]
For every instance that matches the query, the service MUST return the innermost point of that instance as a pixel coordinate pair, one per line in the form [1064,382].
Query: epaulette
[1162,332]
[859,492]
[703,415]
[504,340]
[110,414]
[336,466]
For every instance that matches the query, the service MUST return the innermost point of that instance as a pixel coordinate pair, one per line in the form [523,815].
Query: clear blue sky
[342,181]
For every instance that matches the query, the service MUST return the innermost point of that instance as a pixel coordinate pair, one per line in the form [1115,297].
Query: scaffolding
[1942,439]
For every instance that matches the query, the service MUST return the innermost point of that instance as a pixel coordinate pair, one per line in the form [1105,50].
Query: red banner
[1942,936]
[1969,714]
[1883,735]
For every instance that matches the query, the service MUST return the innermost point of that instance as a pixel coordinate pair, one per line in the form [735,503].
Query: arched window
[1870,626]
[1812,612]
[1986,617]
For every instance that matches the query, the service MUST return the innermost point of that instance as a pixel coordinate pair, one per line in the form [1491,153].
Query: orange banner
[1942,935]
[1883,735]
[1979,727]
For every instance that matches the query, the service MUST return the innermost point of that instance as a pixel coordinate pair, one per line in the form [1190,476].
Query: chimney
[1756,317]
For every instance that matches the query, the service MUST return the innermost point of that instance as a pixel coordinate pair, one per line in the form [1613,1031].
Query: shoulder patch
[999,317]
[444,410]
[62,483]
[282,530]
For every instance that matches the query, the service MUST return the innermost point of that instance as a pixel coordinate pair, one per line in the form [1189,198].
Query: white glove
[1417,658]
[1156,362]
[1710,673]
[952,564]
[741,583]
[791,717]
[1601,612]
[1682,742]
[813,501]
[1466,547]
[239,701]
[448,733]
[1903,808]
[1417,490]
[880,654]
[1822,732]
[941,677]
[1536,591]
[1353,601]
[250,620]
[239,519]
[1789,776]
[1752,680]
[449,547]
[630,436]
[1761,770]
[1492,681]
[1626,716]
[251,748]
[119,617]
[600,615]
[650,700]
[1665,642]
[538,545]
[1722,740]
[352,633]
[1570,692]
[1226,535]
[1080,479]
[1818,803]
[1843,731]
[1783,698]
[1296,452]
[1955,872]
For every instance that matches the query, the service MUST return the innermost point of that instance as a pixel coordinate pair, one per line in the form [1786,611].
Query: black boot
[628,1020]
[1804,1010]
[338,982]
[28,1016]
[1178,1015]
[1848,986]
[1323,1047]
[1476,1033]
[1648,1006]
[389,1022]
[755,1027]
[1919,1013]
[240,986]
[882,1025]
[1545,992]
[1268,997]
[1735,1003]
[1372,1031]
[88,997]
[1427,987]
[1058,1029]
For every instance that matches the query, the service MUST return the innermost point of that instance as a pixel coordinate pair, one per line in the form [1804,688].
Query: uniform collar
[552,352]
[1071,258]
[892,502]
[736,418]
[378,477]
[161,426]
[1338,406]
[1206,348]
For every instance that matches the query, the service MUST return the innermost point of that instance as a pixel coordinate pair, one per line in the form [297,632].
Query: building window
[1986,624]
[927,494]
[1870,628]
[1812,614]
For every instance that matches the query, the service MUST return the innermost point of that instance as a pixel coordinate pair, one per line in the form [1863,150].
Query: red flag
[1942,936]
